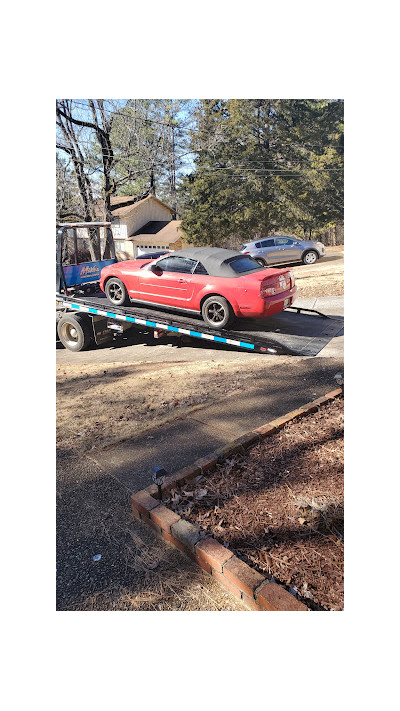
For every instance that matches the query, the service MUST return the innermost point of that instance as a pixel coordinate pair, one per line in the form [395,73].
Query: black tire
[310,257]
[260,261]
[116,292]
[75,332]
[217,312]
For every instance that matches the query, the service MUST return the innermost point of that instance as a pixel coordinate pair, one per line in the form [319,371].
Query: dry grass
[100,405]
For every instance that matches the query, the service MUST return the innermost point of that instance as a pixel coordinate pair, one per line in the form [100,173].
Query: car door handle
[183,281]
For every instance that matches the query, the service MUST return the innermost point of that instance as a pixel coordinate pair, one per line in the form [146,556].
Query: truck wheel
[116,292]
[75,332]
[217,312]
[310,257]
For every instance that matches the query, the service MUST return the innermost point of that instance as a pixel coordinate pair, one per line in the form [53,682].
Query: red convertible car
[217,283]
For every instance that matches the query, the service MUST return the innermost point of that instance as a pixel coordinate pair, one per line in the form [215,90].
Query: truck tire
[75,331]
[217,312]
[116,292]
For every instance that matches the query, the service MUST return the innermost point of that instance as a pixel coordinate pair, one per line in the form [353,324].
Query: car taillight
[276,284]
[266,290]
[245,252]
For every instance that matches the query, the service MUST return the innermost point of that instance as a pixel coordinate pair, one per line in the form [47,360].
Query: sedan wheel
[310,257]
[217,312]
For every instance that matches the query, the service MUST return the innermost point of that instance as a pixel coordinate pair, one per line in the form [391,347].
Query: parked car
[152,255]
[217,283]
[281,250]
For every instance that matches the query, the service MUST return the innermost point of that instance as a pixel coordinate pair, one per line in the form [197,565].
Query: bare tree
[69,143]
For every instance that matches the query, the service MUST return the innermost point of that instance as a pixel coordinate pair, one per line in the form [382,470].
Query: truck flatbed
[295,331]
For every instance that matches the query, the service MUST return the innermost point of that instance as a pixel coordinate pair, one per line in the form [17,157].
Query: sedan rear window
[244,264]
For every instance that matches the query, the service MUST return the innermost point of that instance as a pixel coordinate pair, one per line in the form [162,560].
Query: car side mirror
[156,269]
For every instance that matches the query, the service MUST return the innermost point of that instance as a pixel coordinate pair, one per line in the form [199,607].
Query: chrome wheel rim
[69,334]
[115,292]
[215,312]
[311,258]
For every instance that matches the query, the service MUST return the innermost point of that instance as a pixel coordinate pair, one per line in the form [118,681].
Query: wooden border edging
[244,582]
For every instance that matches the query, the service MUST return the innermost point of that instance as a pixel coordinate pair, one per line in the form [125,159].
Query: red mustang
[218,283]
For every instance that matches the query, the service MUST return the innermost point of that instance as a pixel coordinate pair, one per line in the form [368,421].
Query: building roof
[151,228]
[163,233]
[122,210]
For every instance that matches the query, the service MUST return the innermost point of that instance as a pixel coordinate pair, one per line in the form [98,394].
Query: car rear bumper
[270,305]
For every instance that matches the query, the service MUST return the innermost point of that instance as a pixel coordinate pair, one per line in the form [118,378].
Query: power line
[116,112]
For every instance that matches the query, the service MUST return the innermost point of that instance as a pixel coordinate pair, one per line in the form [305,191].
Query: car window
[200,269]
[283,240]
[177,264]
[244,264]
[268,243]
[257,244]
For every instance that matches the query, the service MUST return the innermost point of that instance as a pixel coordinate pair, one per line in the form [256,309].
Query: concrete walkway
[289,384]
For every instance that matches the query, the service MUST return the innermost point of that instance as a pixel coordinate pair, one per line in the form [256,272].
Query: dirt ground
[279,506]
[325,278]
[101,405]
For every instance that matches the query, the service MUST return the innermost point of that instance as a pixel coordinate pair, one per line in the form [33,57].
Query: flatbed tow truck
[86,318]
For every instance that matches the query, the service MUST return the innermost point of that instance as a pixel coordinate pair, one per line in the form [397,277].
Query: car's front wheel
[217,312]
[310,257]
[116,292]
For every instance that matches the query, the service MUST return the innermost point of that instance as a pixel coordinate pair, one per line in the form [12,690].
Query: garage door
[150,248]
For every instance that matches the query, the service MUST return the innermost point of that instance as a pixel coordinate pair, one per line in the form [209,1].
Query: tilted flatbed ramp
[290,332]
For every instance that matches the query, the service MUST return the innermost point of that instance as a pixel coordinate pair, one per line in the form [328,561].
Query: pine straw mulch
[279,506]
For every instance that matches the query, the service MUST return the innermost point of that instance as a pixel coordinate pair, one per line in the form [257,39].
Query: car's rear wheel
[116,292]
[261,262]
[310,257]
[217,312]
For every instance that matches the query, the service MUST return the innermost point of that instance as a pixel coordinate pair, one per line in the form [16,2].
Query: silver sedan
[281,250]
